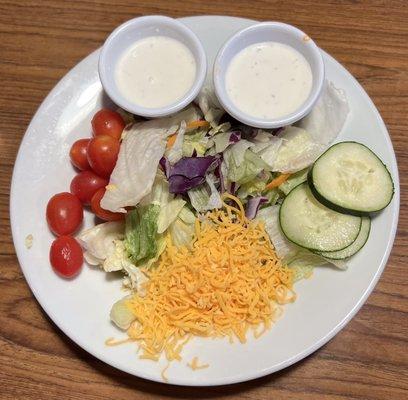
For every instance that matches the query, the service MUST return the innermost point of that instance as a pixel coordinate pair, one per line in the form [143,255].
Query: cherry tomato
[66,256]
[64,213]
[85,184]
[102,154]
[108,122]
[100,212]
[78,154]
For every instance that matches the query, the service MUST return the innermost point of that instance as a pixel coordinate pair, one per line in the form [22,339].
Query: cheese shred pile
[228,282]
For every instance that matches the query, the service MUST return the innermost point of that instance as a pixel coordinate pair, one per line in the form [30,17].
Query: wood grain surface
[40,41]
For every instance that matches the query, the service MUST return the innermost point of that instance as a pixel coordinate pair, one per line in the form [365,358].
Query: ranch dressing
[155,72]
[268,80]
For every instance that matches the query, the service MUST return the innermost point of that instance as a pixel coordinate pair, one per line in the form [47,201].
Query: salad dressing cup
[125,36]
[263,34]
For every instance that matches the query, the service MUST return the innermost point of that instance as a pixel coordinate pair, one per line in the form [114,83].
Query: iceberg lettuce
[140,152]
[294,180]
[182,229]
[242,165]
[100,242]
[210,106]
[328,116]
[205,197]
[297,151]
[176,152]
[141,233]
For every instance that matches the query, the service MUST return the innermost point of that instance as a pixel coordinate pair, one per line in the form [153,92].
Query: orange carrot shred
[197,124]
[277,181]
[170,140]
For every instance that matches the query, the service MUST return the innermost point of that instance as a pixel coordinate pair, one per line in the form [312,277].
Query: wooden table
[41,40]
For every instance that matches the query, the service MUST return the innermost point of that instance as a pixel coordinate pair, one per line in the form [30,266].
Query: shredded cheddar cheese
[29,241]
[111,187]
[163,373]
[113,342]
[230,281]
[194,365]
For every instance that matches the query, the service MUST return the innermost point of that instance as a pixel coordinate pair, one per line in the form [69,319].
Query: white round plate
[80,307]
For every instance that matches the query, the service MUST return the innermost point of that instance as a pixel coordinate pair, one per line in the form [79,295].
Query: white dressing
[268,80]
[155,72]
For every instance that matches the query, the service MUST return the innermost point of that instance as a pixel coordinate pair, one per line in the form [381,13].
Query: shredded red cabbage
[189,172]
[253,205]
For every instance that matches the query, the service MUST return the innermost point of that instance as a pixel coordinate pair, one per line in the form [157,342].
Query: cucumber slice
[350,178]
[356,246]
[308,223]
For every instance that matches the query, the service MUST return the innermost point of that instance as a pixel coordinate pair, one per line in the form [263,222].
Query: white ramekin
[269,32]
[138,28]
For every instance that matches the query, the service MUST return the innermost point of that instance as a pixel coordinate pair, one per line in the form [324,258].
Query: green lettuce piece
[302,263]
[245,171]
[159,194]
[182,229]
[197,141]
[206,196]
[294,180]
[199,197]
[272,195]
[255,187]
[222,141]
[168,213]
[141,233]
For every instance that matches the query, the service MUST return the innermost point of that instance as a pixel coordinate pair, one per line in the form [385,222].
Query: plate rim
[240,378]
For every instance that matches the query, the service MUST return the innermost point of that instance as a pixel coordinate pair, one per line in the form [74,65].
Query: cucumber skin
[346,258]
[297,244]
[340,209]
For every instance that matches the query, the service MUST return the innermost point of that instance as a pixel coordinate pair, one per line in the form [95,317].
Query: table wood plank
[40,41]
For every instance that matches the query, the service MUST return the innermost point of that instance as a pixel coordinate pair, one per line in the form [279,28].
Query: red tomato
[66,256]
[108,122]
[85,185]
[100,212]
[78,154]
[102,154]
[64,213]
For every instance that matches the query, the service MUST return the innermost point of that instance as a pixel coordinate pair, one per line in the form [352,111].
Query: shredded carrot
[277,181]
[198,124]
[170,140]
[228,282]
[191,125]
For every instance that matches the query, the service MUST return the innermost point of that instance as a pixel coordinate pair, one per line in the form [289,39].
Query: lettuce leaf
[100,243]
[168,213]
[195,142]
[205,197]
[224,139]
[270,216]
[297,151]
[141,233]
[242,165]
[176,152]
[255,187]
[159,194]
[224,127]
[210,106]
[140,152]
[121,315]
[294,180]
[182,229]
[328,116]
